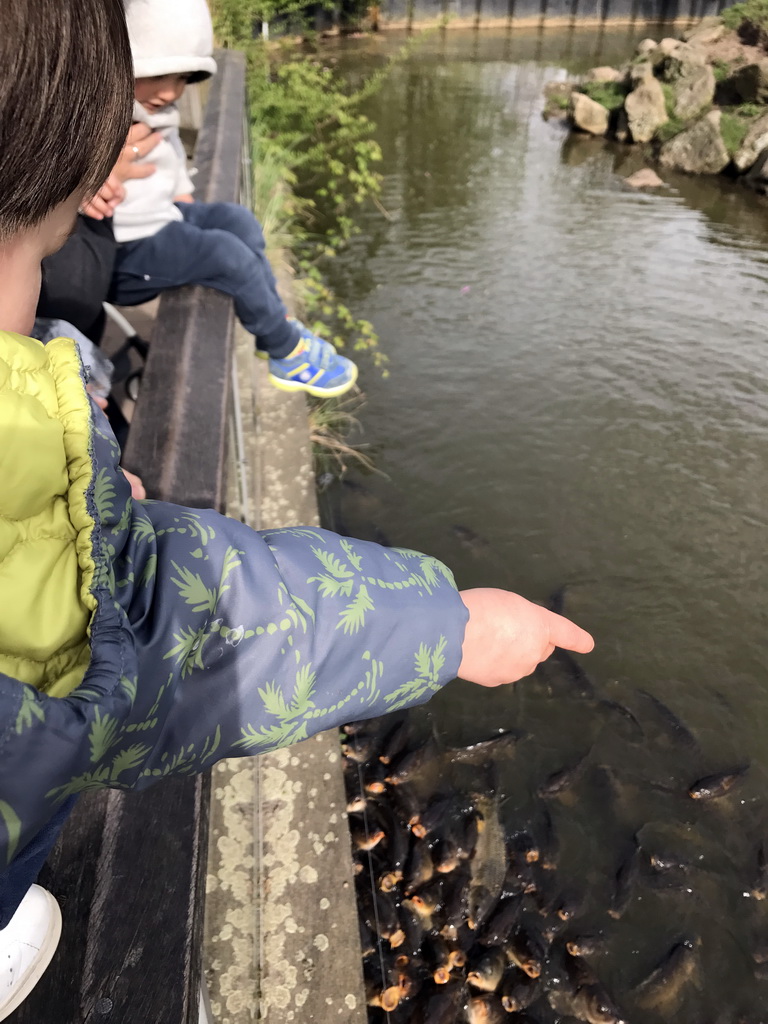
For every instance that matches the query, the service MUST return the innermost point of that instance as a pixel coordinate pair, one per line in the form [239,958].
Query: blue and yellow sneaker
[314,366]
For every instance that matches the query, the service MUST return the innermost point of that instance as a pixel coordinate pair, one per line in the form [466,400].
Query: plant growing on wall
[310,137]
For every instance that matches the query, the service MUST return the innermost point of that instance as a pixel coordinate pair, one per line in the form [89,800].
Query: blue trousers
[25,867]
[221,246]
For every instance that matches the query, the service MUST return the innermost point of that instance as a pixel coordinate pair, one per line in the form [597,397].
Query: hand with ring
[140,142]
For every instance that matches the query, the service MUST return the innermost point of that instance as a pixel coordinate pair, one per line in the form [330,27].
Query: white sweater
[148,205]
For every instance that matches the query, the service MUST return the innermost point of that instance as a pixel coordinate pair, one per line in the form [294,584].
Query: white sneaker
[27,944]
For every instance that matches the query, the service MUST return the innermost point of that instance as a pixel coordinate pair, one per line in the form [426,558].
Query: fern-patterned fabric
[139,640]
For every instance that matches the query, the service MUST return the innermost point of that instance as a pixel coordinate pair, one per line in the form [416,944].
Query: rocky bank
[698,103]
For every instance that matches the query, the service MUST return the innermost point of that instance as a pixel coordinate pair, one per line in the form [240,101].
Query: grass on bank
[674,124]
[750,12]
[331,422]
[610,94]
[733,130]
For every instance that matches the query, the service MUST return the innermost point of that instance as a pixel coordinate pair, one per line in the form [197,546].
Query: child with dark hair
[166,239]
[133,633]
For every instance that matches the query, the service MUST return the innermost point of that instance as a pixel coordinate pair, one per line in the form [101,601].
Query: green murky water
[578,376]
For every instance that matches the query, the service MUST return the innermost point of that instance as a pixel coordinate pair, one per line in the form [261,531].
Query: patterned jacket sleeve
[211,640]
[266,638]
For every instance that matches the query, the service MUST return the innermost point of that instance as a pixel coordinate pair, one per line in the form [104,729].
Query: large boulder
[604,74]
[640,72]
[749,84]
[755,141]
[588,114]
[668,46]
[646,177]
[757,176]
[645,108]
[708,31]
[691,78]
[699,149]
[645,46]
[557,99]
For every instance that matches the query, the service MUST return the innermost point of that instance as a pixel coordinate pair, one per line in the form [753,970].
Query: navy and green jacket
[140,640]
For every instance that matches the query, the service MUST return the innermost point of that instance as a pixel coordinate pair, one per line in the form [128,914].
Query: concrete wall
[547,11]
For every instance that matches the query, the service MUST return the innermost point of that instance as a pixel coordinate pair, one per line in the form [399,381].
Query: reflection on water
[578,378]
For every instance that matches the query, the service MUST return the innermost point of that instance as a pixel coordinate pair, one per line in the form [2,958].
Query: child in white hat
[166,239]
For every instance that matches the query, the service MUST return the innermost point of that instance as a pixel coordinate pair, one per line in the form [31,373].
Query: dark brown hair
[66,95]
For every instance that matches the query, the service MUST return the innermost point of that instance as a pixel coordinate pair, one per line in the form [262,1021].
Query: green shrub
[721,70]
[610,94]
[750,12]
[315,159]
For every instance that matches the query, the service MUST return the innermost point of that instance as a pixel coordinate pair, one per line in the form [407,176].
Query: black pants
[76,279]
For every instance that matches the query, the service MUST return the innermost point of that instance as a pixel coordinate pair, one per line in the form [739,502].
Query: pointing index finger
[564,633]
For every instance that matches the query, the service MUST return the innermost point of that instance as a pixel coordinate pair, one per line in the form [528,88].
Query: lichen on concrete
[281,939]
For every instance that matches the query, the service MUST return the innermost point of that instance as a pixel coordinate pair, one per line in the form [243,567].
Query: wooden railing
[129,869]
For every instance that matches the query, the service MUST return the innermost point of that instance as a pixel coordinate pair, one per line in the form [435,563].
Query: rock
[757,176]
[668,46]
[646,109]
[692,80]
[750,83]
[557,100]
[588,114]
[645,46]
[694,91]
[755,141]
[604,74]
[645,178]
[621,131]
[640,73]
[697,150]
[678,63]
[709,30]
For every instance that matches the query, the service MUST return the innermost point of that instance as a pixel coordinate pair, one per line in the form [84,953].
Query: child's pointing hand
[507,637]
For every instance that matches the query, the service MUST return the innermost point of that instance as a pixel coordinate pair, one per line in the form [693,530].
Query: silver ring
[135,150]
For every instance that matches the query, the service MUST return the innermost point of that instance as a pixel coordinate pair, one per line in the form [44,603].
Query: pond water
[578,382]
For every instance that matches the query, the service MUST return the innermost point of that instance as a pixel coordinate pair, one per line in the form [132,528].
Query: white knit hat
[171,37]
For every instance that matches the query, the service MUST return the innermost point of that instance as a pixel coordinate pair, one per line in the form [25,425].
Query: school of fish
[470,916]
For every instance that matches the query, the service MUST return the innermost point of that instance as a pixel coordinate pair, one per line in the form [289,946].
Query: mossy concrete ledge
[282,940]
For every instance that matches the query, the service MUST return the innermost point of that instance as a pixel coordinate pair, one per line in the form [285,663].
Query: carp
[488,864]
[419,868]
[713,786]
[445,1006]
[485,1009]
[676,726]
[593,1004]
[585,945]
[519,991]
[409,762]
[579,681]
[365,834]
[626,876]
[563,779]
[675,970]
[501,922]
[487,971]
[456,901]
[470,540]
[525,950]
[503,744]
